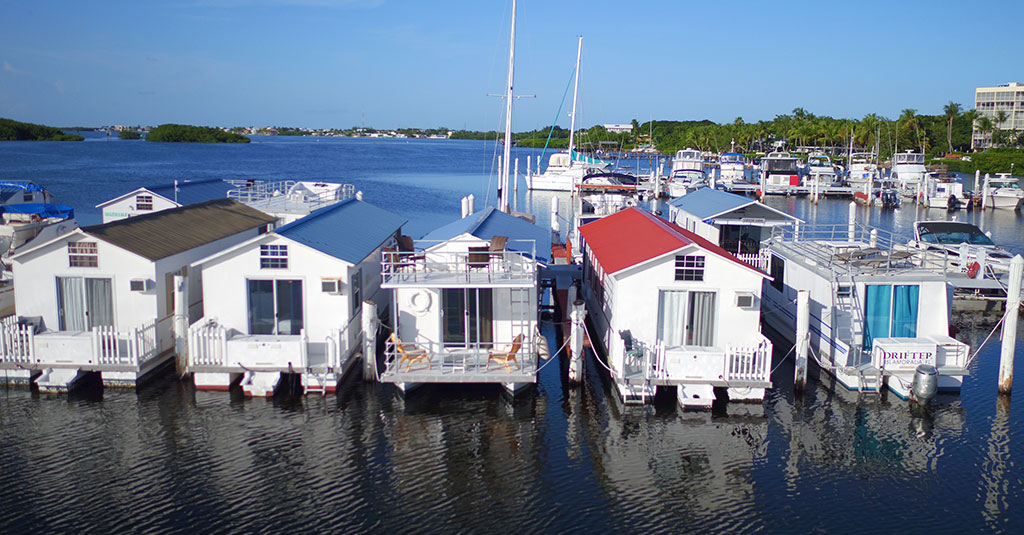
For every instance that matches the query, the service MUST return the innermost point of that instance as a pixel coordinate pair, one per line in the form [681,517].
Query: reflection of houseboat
[670,308]
[465,303]
[876,311]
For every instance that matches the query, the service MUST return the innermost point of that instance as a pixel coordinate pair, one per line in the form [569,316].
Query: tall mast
[575,92]
[503,203]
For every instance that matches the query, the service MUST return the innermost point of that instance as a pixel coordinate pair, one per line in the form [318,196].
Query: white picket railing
[16,341]
[748,363]
[207,344]
[761,260]
[131,348]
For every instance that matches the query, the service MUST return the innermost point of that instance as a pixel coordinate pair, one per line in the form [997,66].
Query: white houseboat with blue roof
[878,309]
[290,300]
[287,200]
[465,306]
[738,224]
[108,299]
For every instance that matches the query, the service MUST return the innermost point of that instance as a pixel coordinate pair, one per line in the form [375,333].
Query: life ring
[973,269]
[418,302]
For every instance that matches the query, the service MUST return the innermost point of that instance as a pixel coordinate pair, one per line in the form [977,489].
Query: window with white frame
[690,268]
[83,254]
[356,284]
[273,257]
[143,202]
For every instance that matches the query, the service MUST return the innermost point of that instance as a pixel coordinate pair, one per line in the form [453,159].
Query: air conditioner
[138,285]
[746,300]
[330,286]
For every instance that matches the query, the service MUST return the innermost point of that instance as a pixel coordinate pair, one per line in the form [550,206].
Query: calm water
[559,459]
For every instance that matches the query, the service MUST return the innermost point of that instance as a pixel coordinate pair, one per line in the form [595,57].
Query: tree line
[11,130]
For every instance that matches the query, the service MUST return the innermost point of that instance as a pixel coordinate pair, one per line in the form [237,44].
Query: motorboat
[732,168]
[779,173]
[26,210]
[687,173]
[1004,192]
[562,172]
[944,192]
[819,170]
[908,171]
[863,169]
[957,238]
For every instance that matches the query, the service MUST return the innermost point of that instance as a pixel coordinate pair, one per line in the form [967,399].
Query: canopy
[42,210]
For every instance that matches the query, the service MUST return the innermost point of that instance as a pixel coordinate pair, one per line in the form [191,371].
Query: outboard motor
[925,385]
[953,203]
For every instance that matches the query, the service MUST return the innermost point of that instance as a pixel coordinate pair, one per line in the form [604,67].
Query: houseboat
[110,298]
[687,173]
[908,172]
[738,224]
[671,309]
[465,303]
[877,309]
[779,173]
[289,301]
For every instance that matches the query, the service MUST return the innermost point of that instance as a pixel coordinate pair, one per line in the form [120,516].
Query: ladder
[315,382]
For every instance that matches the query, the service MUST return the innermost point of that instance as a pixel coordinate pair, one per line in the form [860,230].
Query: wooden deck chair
[505,356]
[409,353]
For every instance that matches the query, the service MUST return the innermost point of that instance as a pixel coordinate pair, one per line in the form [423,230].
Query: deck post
[977,179]
[873,239]
[803,320]
[984,193]
[465,204]
[1010,326]
[179,326]
[852,228]
[515,187]
[470,199]
[369,325]
[764,184]
[554,217]
[576,318]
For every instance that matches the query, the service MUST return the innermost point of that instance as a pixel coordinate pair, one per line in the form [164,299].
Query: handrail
[466,266]
[455,359]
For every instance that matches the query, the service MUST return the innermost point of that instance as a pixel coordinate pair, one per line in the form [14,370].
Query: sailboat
[566,169]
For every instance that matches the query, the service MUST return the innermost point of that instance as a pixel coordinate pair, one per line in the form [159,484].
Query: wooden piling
[1010,326]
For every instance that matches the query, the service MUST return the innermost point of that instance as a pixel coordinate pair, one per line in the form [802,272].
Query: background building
[989,101]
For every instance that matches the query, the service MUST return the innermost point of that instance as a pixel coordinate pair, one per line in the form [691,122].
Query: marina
[787,441]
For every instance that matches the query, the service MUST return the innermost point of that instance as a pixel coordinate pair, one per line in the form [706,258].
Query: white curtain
[100,303]
[701,325]
[71,292]
[671,311]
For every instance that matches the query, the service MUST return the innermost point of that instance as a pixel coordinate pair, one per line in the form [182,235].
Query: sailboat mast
[503,203]
[575,92]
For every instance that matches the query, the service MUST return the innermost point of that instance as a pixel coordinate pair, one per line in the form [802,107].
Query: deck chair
[503,356]
[409,353]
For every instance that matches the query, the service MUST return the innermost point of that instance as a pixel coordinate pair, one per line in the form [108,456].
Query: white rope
[970,359]
[554,356]
[586,330]
[784,357]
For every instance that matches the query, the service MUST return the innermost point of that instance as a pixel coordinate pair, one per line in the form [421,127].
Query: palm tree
[1001,117]
[951,110]
[985,125]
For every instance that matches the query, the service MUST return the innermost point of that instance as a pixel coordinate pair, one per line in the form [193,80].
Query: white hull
[556,181]
[1003,202]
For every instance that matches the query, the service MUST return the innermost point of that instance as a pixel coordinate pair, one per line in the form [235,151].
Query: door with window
[890,311]
[84,303]
[686,318]
[275,306]
[466,317]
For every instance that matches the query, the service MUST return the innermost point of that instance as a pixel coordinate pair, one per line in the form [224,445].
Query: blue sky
[330,63]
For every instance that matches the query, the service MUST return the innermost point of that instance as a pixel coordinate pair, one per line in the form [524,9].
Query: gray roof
[169,232]
[491,222]
[349,230]
[709,203]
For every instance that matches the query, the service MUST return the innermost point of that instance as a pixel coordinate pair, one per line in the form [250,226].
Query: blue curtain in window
[876,313]
[904,311]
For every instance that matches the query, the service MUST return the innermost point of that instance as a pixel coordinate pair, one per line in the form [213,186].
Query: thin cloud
[336,4]
[10,68]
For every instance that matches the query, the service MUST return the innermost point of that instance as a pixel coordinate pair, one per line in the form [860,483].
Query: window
[689,268]
[778,270]
[83,254]
[273,257]
[356,283]
[143,202]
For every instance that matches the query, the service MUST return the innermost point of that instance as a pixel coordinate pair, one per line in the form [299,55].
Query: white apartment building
[989,101]
[618,128]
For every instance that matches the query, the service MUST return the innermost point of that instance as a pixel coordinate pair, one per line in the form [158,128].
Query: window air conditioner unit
[139,285]
[746,300]
[330,286]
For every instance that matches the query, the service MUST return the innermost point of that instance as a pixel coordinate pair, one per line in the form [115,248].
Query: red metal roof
[634,236]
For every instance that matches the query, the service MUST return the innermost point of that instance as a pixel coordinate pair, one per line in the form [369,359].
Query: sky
[427,64]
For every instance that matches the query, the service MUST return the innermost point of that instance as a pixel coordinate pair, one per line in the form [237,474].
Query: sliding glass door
[275,306]
[467,317]
[686,318]
[84,303]
[889,310]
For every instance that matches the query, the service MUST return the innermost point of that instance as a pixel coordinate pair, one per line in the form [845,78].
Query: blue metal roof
[193,191]
[349,230]
[709,202]
[491,222]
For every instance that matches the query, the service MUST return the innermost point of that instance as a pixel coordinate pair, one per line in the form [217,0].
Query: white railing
[472,267]
[448,359]
[748,362]
[760,260]
[340,342]
[954,352]
[131,348]
[207,344]
[263,191]
[16,341]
